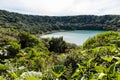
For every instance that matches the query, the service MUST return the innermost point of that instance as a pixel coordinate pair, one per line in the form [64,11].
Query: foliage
[13,49]
[1,78]
[25,57]
[57,45]
[103,39]
[31,75]
[27,40]
[3,67]
[58,70]
[46,24]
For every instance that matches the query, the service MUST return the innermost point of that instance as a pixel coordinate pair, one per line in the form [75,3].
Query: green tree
[13,49]
[27,40]
[57,45]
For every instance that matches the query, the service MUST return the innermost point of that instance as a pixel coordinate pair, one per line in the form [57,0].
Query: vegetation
[57,45]
[45,24]
[25,57]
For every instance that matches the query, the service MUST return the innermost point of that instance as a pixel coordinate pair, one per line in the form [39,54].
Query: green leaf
[14,75]
[92,79]
[118,76]
[112,68]
[3,67]
[32,78]
[58,70]
[117,58]
[100,69]
[118,62]
[76,73]
[108,59]
[89,61]
[101,75]
[1,78]
[81,68]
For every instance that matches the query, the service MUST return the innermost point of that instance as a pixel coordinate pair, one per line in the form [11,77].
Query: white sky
[62,7]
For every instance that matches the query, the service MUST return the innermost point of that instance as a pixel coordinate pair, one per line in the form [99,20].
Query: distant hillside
[38,24]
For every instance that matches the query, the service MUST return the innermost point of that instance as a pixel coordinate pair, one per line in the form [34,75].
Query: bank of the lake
[77,37]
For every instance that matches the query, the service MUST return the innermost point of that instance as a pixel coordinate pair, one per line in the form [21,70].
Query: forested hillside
[38,24]
[25,57]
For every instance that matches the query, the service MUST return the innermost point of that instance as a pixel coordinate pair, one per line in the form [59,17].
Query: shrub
[13,48]
[57,45]
[27,40]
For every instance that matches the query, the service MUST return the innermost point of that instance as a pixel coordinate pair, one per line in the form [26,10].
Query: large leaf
[118,76]
[14,75]
[32,78]
[117,58]
[79,70]
[76,73]
[58,70]
[100,69]
[112,69]
[1,78]
[101,75]
[108,59]
[89,61]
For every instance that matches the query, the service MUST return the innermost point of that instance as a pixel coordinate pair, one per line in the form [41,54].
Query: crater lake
[77,37]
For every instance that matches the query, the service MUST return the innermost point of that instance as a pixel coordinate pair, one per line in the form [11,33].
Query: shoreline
[55,31]
[50,32]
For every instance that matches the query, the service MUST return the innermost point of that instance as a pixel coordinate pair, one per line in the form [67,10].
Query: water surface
[77,37]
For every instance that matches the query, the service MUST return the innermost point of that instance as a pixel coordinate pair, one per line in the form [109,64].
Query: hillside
[39,24]
[25,57]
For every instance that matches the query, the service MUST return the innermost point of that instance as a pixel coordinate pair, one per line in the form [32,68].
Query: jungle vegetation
[24,56]
[44,24]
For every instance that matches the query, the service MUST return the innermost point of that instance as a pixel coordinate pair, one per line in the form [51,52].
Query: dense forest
[39,24]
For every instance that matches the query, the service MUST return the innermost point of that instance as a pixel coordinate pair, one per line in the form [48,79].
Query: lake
[77,37]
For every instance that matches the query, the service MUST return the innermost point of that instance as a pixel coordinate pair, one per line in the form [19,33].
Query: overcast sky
[62,7]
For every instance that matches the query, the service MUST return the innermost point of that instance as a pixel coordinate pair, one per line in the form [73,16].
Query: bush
[13,49]
[57,45]
[27,40]
[102,39]
[3,67]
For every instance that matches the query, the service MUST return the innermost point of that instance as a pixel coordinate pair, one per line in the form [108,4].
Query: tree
[57,45]
[13,49]
[27,40]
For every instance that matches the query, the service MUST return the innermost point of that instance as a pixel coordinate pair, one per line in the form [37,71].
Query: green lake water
[77,37]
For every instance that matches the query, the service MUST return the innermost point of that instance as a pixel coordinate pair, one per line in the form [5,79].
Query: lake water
[77,36]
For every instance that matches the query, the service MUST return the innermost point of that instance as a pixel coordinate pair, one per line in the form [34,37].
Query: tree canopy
[38,24]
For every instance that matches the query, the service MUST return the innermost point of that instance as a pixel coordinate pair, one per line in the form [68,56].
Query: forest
[44,24]
[25,56]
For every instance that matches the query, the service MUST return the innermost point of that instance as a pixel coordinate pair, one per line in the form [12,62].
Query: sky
[62,7]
